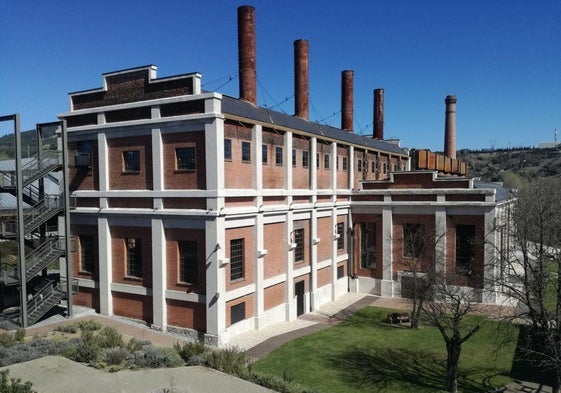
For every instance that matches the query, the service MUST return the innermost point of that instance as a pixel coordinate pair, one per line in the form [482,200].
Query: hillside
[7,145]
[526,163]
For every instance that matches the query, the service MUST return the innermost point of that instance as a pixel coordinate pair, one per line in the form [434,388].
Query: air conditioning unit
[83,160]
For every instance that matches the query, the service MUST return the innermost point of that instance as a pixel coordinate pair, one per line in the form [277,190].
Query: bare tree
[447,311]
[530,273]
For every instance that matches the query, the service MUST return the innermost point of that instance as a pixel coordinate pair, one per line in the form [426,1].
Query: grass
[364,354]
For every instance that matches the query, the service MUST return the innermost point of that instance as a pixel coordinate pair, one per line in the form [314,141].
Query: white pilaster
[351,169]
[103,154]
[333,172]
[387,258]
[215,280]
[489,295]
[259,272]
[288,161]
[159,274]
[105,267]
[314,259]
[440,232]
[313,167]
[289,301]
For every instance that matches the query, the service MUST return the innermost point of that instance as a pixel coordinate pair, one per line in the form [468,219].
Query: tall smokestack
[378,114]
[246,53]
[301,78]
[450,127]
[347,100]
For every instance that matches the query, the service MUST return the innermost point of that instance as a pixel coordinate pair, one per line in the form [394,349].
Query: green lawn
[364,354]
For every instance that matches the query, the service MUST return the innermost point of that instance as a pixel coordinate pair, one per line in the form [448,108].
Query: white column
[313,167]
[105,267]
[387,249]
[489,295]
[215,280]
[259,272]
[334,253]
[314,258]
[289,301]
[159,276]
[288,161]
[103,155]
[157,164]
[351,168]
[333,172]
[440,232]
[257,138]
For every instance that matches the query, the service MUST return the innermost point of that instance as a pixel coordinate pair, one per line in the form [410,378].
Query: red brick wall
[274,296]
[245,233]
[300,174]
[453,277]
[323,175]
[249,306]
[118,178]
[77,231]
[87,297]
[324,276]
[343,175]
[304,224]
[118,255]
[186,314]
[273,174]
[172,253]
[325,229]
[184,203]
[139,203]
[357,220]
[237,173]
[275,240]
[132,306]
[83,178]
[176,179]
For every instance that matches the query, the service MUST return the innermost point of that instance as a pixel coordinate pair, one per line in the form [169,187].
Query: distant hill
[504,164]
[28,142]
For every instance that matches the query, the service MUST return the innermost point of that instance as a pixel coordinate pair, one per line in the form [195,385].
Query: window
[293,157]
[341,233]
[131,160]
[413,240]
[84,154]
[227,149]
[385,167]
[237,313]
[374,165]
[278,155]
[236,259]
[187,261]
[326,159]
[340,271]
[317,160]
[134,256]
[368,245]
[465,249]
[305,158]
[87,254]
[186,158]
[264,155]
[299,241]
[246,151]
[344,163]
[359,165]
[336,163]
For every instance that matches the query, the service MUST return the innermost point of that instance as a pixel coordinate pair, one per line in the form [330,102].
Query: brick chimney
[450,127]
[378,114]
[347,100]
[246,53]
[301,78]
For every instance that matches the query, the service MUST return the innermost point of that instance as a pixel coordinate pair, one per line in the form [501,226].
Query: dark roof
[247,110]
[501,193]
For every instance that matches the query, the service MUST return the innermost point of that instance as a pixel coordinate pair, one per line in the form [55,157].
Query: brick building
[210,215]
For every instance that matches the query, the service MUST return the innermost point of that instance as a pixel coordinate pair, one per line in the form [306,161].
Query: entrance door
[299,292]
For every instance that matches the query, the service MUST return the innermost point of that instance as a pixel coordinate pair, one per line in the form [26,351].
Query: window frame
[413,240]
[293,157]
[305,158]
[187,163]
[227,149]
[237,313]
[264,154]
[131,161]
[299,240]
[187,259]
[344,163]
[465,249]
[326,161]
[87,253]
[278,155]
[341,237]
[133,257]
[246,151]
[237,259]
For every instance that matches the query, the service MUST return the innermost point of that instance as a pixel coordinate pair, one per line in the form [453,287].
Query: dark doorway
[299,289]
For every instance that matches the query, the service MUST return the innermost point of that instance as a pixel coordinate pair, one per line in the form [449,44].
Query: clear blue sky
[501,58]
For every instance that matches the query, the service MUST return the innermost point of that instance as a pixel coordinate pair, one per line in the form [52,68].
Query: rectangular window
[413,240]
[317,161]
[185,158]
[385,167]
[465,249]
[236,259]
[326,161]
[228,149]
[246,151]
[187,261]
[293,157]
[368,245]
[341,233]
[344,163]
[134,256]
[305,158]
[278,155]
[83,157]
[340,271]
[373,166]
[359,165]
[131,160]
[299,241]
[264,155]
[237,313]
[87,254]
[337,163]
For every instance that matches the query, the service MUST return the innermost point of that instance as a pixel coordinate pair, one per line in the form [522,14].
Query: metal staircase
[39,223]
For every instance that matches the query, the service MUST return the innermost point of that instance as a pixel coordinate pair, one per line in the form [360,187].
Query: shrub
[13,385]
[135,344]
[278,384]
[114,369]
[109,338]
[7,339]
[88,350]
[190,349]
[71,328]
[20,335]
[114,356]
[89,325]
[229,360]
[162,357]
[196,360]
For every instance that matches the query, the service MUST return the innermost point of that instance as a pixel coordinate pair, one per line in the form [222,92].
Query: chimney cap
[451,99]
